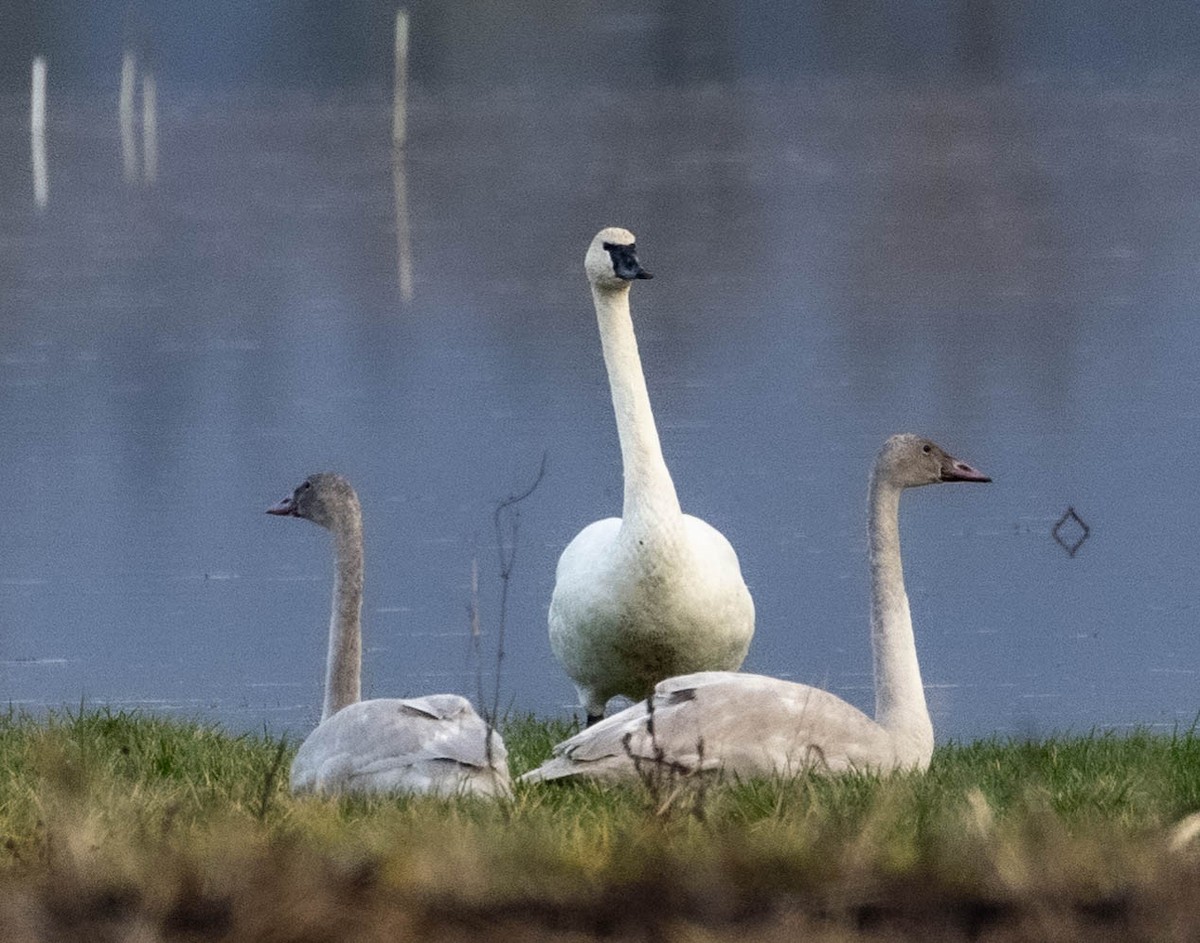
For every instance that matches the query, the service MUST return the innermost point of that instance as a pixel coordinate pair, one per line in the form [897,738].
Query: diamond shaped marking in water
[1070,532]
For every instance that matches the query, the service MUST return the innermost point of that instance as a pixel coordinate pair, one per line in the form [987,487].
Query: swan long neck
[900,706]
[649,492]
[343,671]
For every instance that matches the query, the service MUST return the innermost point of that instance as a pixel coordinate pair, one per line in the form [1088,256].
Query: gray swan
[750,725]
[655,592]
[435,744]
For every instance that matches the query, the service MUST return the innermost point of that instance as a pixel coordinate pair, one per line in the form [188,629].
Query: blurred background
[219,273]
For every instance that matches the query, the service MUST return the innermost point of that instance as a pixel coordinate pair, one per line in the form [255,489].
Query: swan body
[656,592]
[749,725]
[743,725]
[435,744]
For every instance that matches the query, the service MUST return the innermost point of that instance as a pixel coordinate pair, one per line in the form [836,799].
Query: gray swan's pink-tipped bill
[284,508]
[961,471]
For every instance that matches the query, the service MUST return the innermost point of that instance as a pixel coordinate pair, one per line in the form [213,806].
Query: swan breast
[629,611]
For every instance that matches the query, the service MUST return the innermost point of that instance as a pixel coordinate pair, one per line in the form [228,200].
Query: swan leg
[593,703]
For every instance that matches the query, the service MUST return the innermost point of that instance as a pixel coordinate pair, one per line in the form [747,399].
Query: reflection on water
[150,127]
[404,252]
[125,113]
[1006,266]
[404,255]
[37,134]
[147,167]
[400,82]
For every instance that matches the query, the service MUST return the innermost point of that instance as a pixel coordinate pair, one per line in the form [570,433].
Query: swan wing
[429,744]
[741,724]
[587,547]
[449,707]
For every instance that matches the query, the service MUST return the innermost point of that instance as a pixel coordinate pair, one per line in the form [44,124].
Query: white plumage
[655,592]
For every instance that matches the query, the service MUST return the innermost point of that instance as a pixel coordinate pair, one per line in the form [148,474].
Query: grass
[125,826]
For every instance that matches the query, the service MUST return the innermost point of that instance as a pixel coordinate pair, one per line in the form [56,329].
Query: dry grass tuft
[123,827]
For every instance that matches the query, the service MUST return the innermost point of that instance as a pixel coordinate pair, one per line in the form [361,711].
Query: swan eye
[926,448]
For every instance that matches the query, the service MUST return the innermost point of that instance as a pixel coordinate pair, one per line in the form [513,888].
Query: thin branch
[477,637]
[507,521]
[508,515]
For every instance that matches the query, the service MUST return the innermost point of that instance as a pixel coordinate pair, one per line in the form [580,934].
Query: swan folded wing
[609,748]
[714,555]
[436,727]
[390,744]
[587,547]
[743,724]
[437,706]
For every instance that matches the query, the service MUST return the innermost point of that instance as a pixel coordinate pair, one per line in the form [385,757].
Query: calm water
[1006,264]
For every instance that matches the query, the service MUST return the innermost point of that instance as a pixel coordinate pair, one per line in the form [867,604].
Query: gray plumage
[434,744]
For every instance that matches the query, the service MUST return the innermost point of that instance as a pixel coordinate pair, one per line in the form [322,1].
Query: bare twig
[663,778]
[507,523]
[476,636]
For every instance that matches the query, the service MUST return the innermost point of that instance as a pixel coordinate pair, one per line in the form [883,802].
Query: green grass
[114,820]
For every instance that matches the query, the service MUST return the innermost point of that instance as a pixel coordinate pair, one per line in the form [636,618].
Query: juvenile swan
[435,744]
[655,592]
[750,725]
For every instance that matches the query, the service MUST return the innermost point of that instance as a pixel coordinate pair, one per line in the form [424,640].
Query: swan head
[326,499]
[611,261]
[909,461]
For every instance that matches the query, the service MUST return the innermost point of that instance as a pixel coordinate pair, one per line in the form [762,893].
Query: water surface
[1006,264]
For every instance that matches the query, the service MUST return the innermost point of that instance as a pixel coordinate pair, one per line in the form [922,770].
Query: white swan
[655,592]
[750,725]
[435,744]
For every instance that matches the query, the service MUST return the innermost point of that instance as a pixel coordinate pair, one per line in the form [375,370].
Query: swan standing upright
[435,744]
[750,725]
[655,592]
